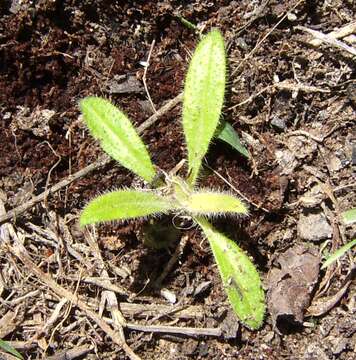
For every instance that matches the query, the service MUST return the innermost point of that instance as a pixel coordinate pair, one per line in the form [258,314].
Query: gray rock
[335,163]
[124,85]
[314,227]
[313,197]
[278,123]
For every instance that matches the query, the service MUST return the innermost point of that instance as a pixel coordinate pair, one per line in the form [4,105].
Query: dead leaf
[322,305]
[291,285]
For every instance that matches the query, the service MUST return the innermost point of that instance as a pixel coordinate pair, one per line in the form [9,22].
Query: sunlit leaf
[213,203]
[203,98]
[117,136]
[239,276]
[124,205]
[338,253]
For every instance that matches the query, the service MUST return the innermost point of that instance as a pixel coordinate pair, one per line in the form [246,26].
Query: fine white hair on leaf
[125,204]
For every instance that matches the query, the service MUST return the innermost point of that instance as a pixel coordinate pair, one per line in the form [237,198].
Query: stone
[313,197]
[278,123]
[314,227]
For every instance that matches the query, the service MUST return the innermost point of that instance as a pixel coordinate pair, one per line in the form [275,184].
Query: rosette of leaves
[202,105]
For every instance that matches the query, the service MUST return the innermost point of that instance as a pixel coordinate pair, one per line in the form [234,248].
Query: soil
[293,105]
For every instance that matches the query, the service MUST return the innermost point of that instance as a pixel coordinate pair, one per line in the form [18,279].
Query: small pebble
[314,227]
[169,296]
[291,17]
[278,123]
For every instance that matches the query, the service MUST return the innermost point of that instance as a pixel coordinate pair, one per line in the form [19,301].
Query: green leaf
[228,134]
[213,203]
[203,98]
[9,349]
[239,276]
[349,216]
[187,23]
[338,253]
[117,136]
[124,205]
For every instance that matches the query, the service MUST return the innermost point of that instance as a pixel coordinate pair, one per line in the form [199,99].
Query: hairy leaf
[203,98]
[239,276]
[213,203]
[117,136]
[123,205]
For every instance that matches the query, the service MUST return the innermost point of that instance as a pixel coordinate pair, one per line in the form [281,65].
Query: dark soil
[54,53]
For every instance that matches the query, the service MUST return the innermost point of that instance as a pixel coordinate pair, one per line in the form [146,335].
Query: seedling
[338,253]
[348,217]
[202,104]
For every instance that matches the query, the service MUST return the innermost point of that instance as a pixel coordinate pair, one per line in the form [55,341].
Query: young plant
[348,217]
[338,253]
[202,104]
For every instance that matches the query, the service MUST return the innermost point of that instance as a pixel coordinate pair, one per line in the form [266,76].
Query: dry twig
[178,251]
[108,295]
[70,354]
[21,253]
[328,39]
[145,75]
[283,85]
[338,34]
[186,331]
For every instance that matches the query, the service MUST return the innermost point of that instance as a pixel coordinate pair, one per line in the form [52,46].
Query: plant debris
[290,287]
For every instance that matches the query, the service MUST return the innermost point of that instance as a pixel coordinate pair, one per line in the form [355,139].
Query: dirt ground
[65,292]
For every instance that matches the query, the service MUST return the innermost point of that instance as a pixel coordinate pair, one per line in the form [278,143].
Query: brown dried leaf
[323,305]
[291,285]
